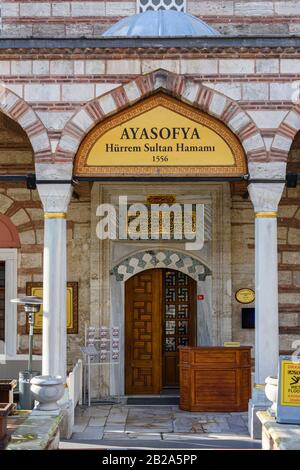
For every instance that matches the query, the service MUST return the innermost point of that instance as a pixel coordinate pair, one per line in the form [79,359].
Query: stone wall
[57,84]
[243,256]
[289,259]
[289,267]
[91,18]
[242,261]
[79,238]
[24,209]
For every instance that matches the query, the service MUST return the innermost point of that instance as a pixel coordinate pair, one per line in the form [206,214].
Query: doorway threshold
[152,400]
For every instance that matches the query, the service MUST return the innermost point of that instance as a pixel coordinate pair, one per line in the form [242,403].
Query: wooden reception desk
[215,378]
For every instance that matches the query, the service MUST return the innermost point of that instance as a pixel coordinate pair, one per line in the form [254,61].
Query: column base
[259,402]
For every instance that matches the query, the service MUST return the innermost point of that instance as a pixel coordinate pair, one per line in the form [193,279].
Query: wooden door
[160,312]
[143,333]
[179,321]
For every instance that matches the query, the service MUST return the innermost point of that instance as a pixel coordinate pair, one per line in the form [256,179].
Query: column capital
[267,170]
[265,197]
[55,197]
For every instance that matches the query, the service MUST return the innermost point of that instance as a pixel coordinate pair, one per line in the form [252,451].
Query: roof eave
[151,42]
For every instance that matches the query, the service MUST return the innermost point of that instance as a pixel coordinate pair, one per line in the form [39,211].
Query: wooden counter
[215,378]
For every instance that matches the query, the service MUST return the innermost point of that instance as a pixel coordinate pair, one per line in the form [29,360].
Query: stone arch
[9,237]
[20,111]
[170,259]
[293,160]
[285,135]
[19,218]
[178,86]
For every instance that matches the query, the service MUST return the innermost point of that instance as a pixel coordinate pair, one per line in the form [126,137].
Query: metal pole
[89,380]
[31,323]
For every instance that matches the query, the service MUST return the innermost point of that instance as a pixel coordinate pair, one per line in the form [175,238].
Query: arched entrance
[145,147]
[160,316]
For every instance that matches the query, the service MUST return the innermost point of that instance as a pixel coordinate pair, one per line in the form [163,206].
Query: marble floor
[160,426]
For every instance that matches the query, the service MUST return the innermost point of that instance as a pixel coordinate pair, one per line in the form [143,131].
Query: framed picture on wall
[36,289]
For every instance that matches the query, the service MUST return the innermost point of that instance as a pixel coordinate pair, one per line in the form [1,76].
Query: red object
[200,297]
[9,237]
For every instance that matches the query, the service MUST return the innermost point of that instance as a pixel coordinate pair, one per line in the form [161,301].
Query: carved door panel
[143,333]
[179,315]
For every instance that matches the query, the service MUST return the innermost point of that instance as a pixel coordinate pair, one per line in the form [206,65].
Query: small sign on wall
[245,296]
[288,403]
[200,297]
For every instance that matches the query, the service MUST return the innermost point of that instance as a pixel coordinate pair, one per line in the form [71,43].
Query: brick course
[92,17]
[54,96]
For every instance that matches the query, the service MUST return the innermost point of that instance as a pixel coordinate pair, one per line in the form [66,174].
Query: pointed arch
[189,91]
[285,135]
[20,111]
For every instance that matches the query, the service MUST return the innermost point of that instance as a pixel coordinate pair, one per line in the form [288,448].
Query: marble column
[265,198]
[55,199]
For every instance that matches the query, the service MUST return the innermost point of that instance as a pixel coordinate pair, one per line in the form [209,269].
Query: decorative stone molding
[195,94]
[285,134]
[20,111]
[55,197]
[150,259]
[144,5]
[54,171]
